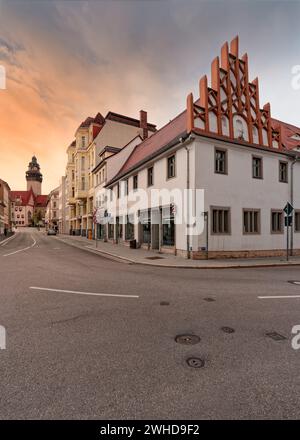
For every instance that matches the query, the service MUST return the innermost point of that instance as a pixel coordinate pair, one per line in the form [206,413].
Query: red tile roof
[24,196]
[41,201]
[287,131]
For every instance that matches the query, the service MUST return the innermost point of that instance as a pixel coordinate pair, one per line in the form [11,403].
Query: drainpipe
[292,202]
[184,142]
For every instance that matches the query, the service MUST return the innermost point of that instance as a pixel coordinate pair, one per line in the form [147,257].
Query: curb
[126,260]
[97,252]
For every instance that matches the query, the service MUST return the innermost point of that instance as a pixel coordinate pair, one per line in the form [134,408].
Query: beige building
[63,209]
[52,211]
[4,207]
[93,138]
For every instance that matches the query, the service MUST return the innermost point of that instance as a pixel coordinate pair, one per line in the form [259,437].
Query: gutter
[296,159]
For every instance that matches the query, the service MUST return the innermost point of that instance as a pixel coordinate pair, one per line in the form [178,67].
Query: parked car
[51,231]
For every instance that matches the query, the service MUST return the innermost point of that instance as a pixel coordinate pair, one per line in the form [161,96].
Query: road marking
[4,242]
[21,250]
[278,297]
[84,293]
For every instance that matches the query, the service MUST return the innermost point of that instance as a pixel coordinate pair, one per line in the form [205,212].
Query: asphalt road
[81,356]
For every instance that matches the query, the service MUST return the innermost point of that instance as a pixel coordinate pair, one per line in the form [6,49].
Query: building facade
[29,207]
[92,137]
[52,210]
[5,224]
[234,165]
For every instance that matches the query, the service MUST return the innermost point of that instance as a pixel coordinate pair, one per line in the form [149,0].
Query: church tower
[34,177]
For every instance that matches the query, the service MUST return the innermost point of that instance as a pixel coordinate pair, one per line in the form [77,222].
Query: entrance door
[155,236]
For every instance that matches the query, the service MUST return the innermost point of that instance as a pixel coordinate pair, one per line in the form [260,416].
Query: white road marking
[84,293]
[4,242]
[21,250]
[278,297]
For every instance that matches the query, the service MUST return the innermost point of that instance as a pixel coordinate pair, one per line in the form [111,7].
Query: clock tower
[34,177]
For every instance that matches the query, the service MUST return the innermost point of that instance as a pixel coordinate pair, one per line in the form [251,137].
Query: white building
[227,145]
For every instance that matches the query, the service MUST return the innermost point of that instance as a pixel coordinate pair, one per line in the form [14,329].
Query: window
[220,220]
[257,170]
[135,182]
[220,161]
[283,172]
[297,221]
[82,183]
[129,227]
[111,230]
[150,176]
[73,175]
[276,222]
[118,190]
[82,163]
[251,221]
[83,141]
[73,191]
[171,167]
[168,227]
[126,187]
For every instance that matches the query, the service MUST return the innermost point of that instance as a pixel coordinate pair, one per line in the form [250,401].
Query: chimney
[144,124]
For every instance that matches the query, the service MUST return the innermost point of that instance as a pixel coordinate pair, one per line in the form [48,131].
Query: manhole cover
[276,336]
[209,299]
[227,329]
[154,258]
[187,339]
[195,362]
[164,303]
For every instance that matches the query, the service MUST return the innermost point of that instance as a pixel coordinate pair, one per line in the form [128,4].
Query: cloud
[66,60]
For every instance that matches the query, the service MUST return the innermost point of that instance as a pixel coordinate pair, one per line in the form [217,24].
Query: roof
[24,196]
[127,120]
[98,119]
[287,131]
[152,145]
[41,201]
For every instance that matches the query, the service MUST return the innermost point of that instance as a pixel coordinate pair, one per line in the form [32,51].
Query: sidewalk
[150,258]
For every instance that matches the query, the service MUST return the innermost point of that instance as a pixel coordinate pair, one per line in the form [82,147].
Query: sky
[66,60]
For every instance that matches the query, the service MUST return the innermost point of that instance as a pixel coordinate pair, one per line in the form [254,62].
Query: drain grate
[154,258]
[276,336]
[164,303]
[227,329]
[195,362]
[187,339]
[209,299]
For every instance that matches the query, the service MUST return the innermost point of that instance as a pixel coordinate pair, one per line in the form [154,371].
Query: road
[77,355]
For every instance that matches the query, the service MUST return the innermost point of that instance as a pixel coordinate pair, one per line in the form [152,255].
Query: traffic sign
[288,209]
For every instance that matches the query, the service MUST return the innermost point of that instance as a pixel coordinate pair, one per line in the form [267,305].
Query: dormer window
[83,141]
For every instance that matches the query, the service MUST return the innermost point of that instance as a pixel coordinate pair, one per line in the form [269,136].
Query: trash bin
[132,244]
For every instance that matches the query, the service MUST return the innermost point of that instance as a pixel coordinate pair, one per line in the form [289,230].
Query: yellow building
[91,137]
